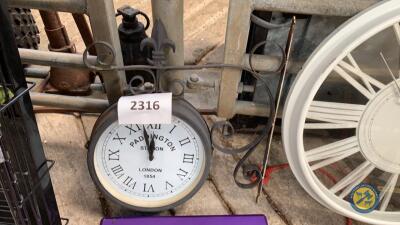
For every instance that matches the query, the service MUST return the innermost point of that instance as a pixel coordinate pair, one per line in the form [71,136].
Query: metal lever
[277,103]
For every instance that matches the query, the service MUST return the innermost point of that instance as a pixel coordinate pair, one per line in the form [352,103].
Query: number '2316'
[145,105]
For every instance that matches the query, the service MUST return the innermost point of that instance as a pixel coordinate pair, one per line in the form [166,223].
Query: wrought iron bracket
[159,42]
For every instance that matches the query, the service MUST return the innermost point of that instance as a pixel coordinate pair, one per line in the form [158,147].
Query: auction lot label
[145,109]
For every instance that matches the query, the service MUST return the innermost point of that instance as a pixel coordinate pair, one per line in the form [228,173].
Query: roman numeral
[184,141]
[182,174]
[188,158]
[118,171]
[333,115]
[128,182]
[333,152]
[154,126]
[120,139]
[150,189]
[167,184]
[130,127]
[113,155]
[172,129]
[365,87]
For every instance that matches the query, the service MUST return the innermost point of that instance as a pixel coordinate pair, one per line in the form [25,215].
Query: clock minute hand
[151,148]
[146,139]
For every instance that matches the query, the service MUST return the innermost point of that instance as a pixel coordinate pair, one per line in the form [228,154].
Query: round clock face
[148,167]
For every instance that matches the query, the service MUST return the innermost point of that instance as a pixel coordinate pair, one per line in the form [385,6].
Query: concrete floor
[65,135]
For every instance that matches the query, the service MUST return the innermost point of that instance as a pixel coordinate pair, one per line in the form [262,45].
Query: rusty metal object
[84,30]
[65,80]
[87,37]
[42,85]
[56,32]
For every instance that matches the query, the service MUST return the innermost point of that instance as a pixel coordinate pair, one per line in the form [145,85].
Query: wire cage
[18,180]
[26,193]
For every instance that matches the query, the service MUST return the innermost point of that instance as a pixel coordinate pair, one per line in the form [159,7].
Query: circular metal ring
[111,53]
[258,45]
[136,90]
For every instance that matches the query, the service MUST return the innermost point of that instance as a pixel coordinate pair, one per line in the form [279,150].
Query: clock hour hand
[146,139]
[152,147]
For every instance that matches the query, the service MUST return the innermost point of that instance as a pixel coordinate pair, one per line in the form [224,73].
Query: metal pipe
[97,87]
[104,27]
[270,63]
[53,59]
[85,31]
[174,26]
[36,71]
[85,104]
[56,32]
[73,6]
[42,85]
[251,108]
[68,80]
[254,109]
[246,88]
[315,7]
[237,33]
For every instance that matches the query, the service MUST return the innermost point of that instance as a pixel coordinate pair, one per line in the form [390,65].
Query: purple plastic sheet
[189,220]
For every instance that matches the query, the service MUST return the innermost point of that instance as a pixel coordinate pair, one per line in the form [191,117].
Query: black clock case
[180,108]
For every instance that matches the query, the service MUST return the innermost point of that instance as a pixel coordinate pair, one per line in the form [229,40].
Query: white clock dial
[123,166]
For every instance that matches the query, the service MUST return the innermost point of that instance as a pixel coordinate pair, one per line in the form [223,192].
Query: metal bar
[269,63]
[174,26]
[237,33]
[36,71]
[85,31]
[56,32]
[42,85]
[315,7]
[73,6]
[16,98]
[278,99]
[251,108]
[85,104]
[104,28]
[53,59]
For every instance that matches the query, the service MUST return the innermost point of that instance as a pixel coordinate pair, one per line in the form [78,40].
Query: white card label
[145,109]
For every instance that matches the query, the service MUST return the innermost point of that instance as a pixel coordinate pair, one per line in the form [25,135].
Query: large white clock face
[124,168]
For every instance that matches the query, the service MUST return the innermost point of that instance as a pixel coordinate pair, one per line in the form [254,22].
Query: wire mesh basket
[18,178]
[26,193]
